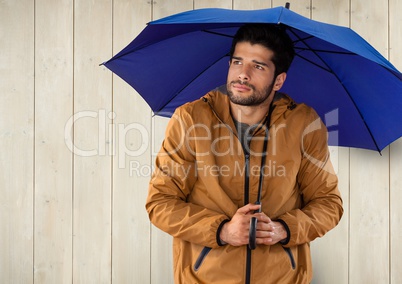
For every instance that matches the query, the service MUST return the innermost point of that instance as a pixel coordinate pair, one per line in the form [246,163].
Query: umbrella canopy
[354,89]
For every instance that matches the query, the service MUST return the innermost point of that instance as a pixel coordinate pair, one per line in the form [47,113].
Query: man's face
[251,75]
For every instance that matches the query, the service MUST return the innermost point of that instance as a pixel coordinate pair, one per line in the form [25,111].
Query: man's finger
[262,217]
[248,208]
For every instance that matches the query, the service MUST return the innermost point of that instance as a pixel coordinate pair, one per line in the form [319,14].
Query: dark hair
[273,37]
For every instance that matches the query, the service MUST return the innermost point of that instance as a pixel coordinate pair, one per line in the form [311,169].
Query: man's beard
[256,97]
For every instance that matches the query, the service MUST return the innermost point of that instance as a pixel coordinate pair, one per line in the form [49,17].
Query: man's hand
[269,232]
[236,231]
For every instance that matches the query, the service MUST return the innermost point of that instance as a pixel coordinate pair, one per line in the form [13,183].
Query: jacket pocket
[291,258]
[201,258]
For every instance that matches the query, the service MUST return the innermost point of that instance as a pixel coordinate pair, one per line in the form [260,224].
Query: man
[216,153]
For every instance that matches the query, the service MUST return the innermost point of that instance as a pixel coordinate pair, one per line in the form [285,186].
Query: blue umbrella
[354,89]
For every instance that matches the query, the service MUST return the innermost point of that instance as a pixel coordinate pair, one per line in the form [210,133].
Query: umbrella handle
[252,234]
[252,238]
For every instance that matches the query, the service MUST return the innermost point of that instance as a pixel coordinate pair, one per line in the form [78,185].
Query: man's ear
[279,81]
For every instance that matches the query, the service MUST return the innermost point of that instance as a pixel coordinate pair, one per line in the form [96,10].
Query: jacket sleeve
[318,184]
[171,183]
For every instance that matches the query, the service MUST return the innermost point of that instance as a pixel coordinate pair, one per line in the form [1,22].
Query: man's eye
[236,62]
[259,67]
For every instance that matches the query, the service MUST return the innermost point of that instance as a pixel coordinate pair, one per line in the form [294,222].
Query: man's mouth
[242,87]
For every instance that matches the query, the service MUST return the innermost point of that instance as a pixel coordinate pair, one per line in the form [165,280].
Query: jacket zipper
[246,194]
[246,201]
[246,178]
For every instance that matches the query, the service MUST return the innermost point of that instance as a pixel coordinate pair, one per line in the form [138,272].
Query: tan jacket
[199,182]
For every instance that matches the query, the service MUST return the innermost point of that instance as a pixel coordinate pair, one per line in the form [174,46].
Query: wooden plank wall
[77,146]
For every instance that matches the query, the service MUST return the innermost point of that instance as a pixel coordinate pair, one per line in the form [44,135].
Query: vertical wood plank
[131,241]
[369,172]
[369,217]
[166,8]
[53,160]
[395,56]
[302,7]
[334,12]
[395,30]
[395,212]
[16,140]
[92,163]
[369,16]
[225,4]
[251,4]
[331,253]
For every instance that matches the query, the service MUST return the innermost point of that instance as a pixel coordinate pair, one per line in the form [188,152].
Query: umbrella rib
[301,39]
[325,51]
[178,92]
[315,64]
[336,76]
[216,33]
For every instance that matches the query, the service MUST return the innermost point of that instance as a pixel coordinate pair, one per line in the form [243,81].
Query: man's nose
[244,74]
